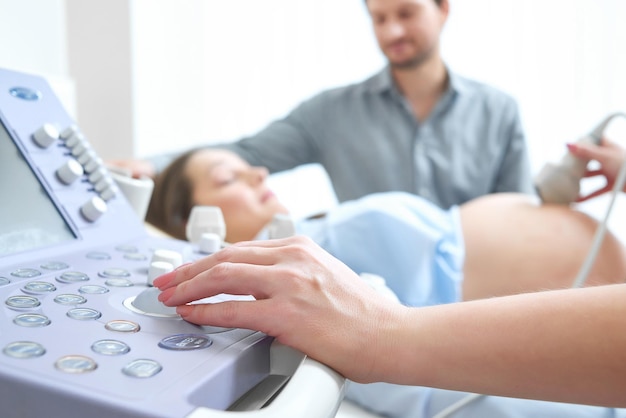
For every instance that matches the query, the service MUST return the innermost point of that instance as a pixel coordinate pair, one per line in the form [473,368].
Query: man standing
[415,126]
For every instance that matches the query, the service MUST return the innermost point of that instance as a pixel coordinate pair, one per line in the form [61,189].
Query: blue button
[184,342]
[25,93]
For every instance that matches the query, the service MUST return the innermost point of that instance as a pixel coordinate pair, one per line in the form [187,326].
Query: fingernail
[571,147]
[164,280]
[165,295]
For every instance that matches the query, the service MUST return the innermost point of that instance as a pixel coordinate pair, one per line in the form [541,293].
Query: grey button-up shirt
[367,139]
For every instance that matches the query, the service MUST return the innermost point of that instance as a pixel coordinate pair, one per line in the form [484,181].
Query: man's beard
[413,62]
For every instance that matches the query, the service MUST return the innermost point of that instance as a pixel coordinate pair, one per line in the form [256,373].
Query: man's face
[407,30]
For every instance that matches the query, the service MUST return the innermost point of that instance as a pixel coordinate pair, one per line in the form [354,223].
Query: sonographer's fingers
[231,278]
[305,297]
[259,315]
[610,156]
[254,252]
[241,269]
[594,194]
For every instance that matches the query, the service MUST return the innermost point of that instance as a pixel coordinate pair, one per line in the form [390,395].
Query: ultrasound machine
[75,259]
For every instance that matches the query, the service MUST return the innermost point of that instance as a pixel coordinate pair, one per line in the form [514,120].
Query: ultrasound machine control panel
[75,260]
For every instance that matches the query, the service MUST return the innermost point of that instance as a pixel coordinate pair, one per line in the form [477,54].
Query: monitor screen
[29,219]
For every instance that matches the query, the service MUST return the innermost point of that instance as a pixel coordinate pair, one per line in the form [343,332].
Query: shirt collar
[383,82]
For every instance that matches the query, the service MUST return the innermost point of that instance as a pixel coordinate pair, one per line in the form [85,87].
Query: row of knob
[85,161]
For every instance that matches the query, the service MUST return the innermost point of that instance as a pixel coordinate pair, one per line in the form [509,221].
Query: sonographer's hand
[610,156]
[134,168]
[305,298]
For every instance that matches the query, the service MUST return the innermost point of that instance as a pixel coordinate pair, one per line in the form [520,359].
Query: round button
[38,288]
[31,320]
[22,302]
[98,255]
[54,265]
[173,257]
[96,175]
[209,243]
[142,368]
[69,172]
[69,299]
[121,325]
[118,282]
[93,164]
[114,272]
[93,209]
[75,139]
[46,135]
[135,257]
[68,132]
[86,157]
[72,277]
[158,268]
[84,314]
[4,281]
[110,347]
[185,342]
[26,273]
[24,349]
[76,364]
[110,193]
[80,149]
[25,93]
[93,289]
[104,184]
[127,248]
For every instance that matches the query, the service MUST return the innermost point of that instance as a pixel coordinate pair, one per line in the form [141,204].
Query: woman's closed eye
[225,179]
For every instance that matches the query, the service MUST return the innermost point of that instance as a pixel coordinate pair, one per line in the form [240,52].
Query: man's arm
[282,145]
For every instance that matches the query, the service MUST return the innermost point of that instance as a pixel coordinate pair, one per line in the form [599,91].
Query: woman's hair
[171,201]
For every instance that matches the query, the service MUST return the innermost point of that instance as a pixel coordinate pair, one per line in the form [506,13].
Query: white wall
[33,36]
[209,71]
[100,62]
[563,60]
[33,39]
